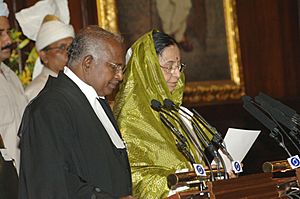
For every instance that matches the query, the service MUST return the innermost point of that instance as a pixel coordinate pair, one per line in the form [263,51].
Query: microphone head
[155,105]
[246,99]
[168,104]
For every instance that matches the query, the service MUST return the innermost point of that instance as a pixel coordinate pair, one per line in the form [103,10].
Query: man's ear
[86,62]
[43,57]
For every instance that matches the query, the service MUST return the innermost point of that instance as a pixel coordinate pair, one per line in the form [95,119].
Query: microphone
[197,118]
[266,121]
[280,117]
[289,112]
[272,114]
[169,105]
[156,105]
[201,135]
[217,138]
[181,140]
[181,145]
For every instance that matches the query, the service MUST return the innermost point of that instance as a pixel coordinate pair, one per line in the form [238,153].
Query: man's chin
[107,92]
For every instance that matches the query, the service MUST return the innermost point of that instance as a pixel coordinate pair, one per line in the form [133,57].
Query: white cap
[52,31]
[31,19]
[45,22]
[4,12]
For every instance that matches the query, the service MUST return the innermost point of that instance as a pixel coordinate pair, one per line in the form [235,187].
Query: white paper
[238,142]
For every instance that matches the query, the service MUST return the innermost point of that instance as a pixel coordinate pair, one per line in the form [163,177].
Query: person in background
[71,146]
[174,16]
[52,40]
[154,71]
[12,98]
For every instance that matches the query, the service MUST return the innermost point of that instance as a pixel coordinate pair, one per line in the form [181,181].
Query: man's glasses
[117,67]
[170,68]
[61,48]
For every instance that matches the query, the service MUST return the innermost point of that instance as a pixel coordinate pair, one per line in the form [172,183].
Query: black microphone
[181,140]
[217,138]
[280,117]
[181,145]
[169,105]
[266,121]
[201,135]
[156,105]
[273,113]
[289,112]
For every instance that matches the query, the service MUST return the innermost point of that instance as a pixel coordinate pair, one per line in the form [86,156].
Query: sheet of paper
[238,142]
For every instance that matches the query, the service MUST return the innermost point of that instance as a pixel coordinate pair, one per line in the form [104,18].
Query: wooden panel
[83,13]
[269,36]
[76,15]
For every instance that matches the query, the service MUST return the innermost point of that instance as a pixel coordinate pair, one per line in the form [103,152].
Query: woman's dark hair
[161,41]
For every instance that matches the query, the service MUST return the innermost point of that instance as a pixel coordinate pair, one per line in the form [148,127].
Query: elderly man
[71,146]
[52,42]
[12,98]
[52,38]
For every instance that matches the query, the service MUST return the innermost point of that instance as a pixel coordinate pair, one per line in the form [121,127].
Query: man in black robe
[71,147]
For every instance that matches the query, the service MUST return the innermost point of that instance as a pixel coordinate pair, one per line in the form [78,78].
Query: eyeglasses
[117,67]
[170,67]
[62,47]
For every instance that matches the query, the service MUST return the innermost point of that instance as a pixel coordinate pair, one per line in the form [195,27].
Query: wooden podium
[251,187]
[257,186]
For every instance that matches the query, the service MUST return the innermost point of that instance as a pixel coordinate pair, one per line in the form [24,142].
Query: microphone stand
[260,116]
[201,135]
[280,117]
[217,138]
[156,105]
[289,112]
[207,144]
[212,151]
[266,110]
[198,147]
[180,141]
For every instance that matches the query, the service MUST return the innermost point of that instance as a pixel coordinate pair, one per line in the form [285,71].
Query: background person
[174,15]
[12,98]
[52,37]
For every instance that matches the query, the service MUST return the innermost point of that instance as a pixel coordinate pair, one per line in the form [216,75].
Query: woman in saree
[154,71]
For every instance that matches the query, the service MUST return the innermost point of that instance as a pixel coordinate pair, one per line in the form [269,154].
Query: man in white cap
[12,98]
[52,40]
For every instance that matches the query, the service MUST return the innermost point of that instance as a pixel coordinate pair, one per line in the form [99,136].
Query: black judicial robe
[66,153]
